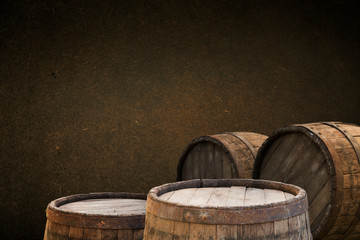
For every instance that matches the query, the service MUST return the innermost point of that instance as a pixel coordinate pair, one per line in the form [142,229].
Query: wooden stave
[220,141]
[300,200]
[327,147]
[125,226]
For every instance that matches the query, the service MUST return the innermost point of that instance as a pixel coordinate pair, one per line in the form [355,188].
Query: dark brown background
[104,95]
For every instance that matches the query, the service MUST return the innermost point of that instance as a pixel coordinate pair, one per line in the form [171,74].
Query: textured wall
[104,95]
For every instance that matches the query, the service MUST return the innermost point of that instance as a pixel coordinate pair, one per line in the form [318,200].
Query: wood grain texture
[198,216]
[226,155]
[93,212]
[324,160]
[225,196]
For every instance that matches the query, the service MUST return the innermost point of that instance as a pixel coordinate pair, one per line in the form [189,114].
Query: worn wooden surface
[224,197]
[322,158]
[106,206]
[104,95]
[96,216]
[211,209]
[220,156]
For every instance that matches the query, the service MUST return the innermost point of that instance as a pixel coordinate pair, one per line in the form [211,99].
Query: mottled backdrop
[104,95]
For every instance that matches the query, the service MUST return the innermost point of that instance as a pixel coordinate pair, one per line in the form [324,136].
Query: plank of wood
[227,172]
[76,233]
[210,171]
[202,231]
[92,234]
[304,163]
[258,231]
[282,160]
[226,232]
[196,164]
[188,167]
[202,159]
[218,162]
[58,229]
[288,195]
[182,196]
[138,234]
[307,172]
[109,234]
[271,150]
[150,223]
[125,234]
[166,196]
[318,182]
[219,197]
[273,196]
[181,230]
[320,201]
[163,229]
[236,196]
[281,229]
[294,227]
[201,197]
[254,196]
[304,228]
[111,206]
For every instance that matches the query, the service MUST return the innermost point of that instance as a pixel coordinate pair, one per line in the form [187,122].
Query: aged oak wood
[322,158]
[220,156]
[227,209]
[96,216]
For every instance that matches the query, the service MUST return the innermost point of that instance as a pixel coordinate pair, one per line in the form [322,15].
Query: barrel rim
[76,219]
[227,215]
[213,139]
[325,148]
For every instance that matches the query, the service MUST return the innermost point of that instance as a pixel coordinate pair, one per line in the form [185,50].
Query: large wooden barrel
[96,216]
[322,158]
[227,209]
[226,155]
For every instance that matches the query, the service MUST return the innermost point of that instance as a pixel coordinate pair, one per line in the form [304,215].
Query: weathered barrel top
[225,196]
[241,201]
[107,207]
[100,210]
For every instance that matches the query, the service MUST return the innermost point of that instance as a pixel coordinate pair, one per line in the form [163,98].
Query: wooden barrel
[96,216]
[226,155]
[322,158]
[227,209]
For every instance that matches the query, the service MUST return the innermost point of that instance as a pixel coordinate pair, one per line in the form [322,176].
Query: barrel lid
[99,210]
[215,211]
[234,196]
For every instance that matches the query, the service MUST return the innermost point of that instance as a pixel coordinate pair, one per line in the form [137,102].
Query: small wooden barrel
[96,216]
[227,209]
[322,158]
[226,155]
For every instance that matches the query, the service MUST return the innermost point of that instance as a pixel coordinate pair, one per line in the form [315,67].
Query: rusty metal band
[98,221]
[348,136]
[241,138]
[227,215]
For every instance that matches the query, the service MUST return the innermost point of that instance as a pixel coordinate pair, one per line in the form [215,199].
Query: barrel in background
[226,155]
[96,216]
[227,209]
[322,158]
